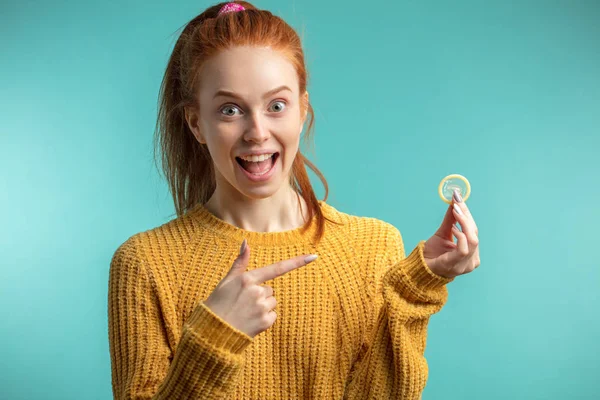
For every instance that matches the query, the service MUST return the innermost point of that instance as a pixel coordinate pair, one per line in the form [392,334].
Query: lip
[261,178]
[257,153]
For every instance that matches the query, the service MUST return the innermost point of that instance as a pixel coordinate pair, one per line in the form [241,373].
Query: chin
[263,191]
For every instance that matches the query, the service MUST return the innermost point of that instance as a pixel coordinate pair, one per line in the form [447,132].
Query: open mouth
[259,167]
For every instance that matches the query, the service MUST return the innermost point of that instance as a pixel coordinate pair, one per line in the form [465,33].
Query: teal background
[405,93]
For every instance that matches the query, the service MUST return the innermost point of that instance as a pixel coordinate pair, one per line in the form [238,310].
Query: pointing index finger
[261,275]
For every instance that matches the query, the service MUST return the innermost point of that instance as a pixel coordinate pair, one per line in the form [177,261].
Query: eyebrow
[269,93]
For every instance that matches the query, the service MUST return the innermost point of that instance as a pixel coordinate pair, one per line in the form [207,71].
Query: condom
[451,182]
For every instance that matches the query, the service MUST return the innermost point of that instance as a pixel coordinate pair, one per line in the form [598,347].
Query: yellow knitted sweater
[350,325]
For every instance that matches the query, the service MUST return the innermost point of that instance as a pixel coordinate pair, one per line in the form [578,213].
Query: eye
[281,107]
[227,108]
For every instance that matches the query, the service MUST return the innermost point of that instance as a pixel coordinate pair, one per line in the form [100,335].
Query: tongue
[257,167]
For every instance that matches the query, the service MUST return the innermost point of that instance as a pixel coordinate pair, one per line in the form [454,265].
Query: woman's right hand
[240,300]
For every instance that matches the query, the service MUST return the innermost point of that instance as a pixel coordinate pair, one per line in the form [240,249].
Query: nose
[257,130]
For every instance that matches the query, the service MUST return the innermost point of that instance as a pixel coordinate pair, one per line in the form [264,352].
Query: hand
[240,300]
[449,259]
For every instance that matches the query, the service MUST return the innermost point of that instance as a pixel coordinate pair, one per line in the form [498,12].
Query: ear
[304,104]
[191,117]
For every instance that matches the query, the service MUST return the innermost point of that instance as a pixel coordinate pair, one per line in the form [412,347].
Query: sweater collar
[209,221]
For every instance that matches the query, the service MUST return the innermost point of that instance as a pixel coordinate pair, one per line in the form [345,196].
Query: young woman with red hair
[258,290]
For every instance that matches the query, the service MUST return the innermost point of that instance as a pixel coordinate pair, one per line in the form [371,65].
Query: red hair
[186,163]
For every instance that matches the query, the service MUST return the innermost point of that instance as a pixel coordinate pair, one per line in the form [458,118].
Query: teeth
[262,157]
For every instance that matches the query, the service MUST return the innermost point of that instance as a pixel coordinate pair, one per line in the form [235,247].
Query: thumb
[448,221]
[241,262]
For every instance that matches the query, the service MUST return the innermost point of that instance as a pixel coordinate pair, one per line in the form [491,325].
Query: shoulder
[366,231]
[166,240]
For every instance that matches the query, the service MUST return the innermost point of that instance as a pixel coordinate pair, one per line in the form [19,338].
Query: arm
[406,293]
[207,360]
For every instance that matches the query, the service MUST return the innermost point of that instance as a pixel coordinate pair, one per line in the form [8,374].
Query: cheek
[291,145]
[219,146]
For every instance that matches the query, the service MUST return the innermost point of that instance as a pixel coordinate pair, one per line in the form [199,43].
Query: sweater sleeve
[404,295]
[206,362]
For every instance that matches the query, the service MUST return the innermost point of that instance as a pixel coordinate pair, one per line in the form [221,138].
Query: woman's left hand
[449,259]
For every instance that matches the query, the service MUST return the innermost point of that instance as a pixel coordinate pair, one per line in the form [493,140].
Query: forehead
[249,71]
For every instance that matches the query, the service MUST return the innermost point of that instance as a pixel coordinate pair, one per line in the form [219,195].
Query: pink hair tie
[230,7]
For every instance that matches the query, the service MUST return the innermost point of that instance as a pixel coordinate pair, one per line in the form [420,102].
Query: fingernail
[458,210]
[457,196]
[243,248]
[310,258]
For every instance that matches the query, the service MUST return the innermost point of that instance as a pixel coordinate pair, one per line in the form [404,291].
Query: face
[249,103]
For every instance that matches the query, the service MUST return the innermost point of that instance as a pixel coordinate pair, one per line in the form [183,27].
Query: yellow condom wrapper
[451,182]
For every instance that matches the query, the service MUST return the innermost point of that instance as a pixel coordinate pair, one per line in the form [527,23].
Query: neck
[284,210]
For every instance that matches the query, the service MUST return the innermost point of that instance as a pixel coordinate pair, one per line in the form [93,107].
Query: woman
[192,302]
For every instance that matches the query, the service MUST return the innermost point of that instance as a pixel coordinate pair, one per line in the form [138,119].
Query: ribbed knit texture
[350,325]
